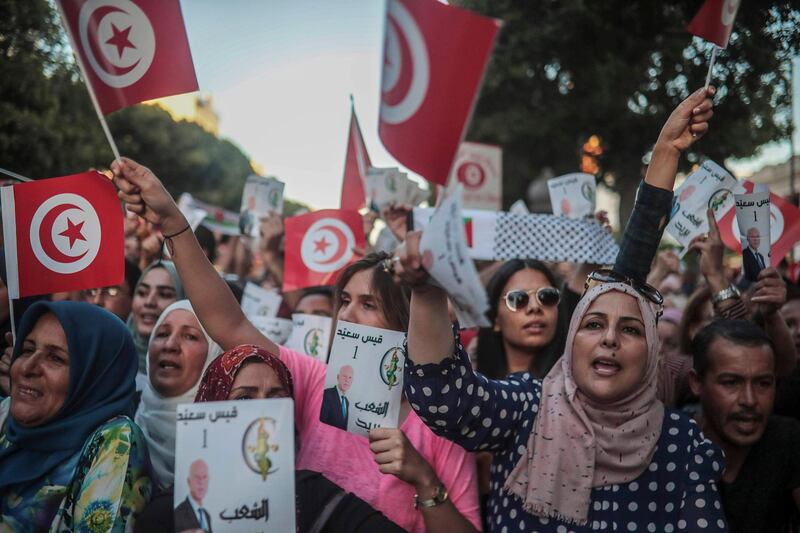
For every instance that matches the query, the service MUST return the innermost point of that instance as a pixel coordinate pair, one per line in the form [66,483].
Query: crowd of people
[630,397]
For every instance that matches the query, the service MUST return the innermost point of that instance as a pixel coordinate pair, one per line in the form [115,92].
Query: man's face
[198,480]
[753,238]
[737,393]
[791,314]
[345,378]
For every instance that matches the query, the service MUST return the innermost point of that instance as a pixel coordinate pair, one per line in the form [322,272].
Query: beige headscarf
[577,445]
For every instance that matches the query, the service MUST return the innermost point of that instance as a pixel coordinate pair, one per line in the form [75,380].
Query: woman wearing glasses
[591,446]
[529,321]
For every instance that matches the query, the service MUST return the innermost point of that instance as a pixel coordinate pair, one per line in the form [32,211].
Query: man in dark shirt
[734,377]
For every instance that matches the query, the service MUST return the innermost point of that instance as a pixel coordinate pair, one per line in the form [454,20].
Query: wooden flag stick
[88,84]
[714,53]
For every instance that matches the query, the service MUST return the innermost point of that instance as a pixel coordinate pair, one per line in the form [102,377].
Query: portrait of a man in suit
[190,513]
[753,261]
[335,405]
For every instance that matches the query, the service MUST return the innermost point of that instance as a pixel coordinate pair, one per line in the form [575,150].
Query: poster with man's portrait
[364,380]
[753,219]
[234,466]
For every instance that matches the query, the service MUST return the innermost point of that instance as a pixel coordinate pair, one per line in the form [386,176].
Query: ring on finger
[704,237]
[389,264]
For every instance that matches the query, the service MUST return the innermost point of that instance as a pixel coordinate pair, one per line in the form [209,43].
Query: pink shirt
[346,459]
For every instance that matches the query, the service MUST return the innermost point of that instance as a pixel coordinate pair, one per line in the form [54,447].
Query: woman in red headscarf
[249,372]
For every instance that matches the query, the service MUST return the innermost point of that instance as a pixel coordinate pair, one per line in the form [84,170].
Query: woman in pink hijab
[590,447]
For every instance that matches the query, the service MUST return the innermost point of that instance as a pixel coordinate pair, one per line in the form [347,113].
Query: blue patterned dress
[677,492]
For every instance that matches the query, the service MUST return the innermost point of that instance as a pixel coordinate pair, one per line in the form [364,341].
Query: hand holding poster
[709,187]
[364,381]
[234,466]
[258,301]
[261,197]
[573,195]
[446,257]
[753,217]
[310,335]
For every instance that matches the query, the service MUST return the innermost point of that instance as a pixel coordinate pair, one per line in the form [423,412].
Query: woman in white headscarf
[179,352]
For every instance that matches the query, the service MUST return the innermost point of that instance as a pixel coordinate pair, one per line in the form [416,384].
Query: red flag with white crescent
[319,246]
[714,21]
[62,234]
[130,50]
[434,59]
[784,226]
[356,166]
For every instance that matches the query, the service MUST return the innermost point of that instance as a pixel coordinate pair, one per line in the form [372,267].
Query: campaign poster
[310,335]
[261,197]
[573,195]
[708,187]
[478,168]
[275,329]
[753,218]
[234,467]
[445,251]
[364,380]
[258,301]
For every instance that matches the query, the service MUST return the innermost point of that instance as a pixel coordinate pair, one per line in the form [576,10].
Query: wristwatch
[726,294]
[439,497]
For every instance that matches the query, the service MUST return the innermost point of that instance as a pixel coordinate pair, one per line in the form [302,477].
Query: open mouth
[747,424]
[28,392]
[534,327]
[148,319]
[168,366]
[606,366]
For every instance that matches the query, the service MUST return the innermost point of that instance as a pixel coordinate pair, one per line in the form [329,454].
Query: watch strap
[439,497]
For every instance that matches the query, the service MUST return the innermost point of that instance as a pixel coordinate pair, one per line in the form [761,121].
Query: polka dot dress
[677,492]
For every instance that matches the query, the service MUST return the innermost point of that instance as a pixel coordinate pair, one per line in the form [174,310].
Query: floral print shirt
[100,489]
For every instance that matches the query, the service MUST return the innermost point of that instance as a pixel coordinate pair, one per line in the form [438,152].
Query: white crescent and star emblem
[729,9]
[406,68]
[327,245]
[471,174]
[117,39]
[65,233]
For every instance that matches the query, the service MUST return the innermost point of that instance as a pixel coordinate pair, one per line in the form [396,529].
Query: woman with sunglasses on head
[591,446]
[432,486]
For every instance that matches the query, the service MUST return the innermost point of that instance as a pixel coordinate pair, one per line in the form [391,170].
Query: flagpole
[13,322]
[14,175]
[86,82]
[714,53]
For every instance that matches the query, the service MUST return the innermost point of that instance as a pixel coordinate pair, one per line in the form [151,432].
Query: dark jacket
[331,412]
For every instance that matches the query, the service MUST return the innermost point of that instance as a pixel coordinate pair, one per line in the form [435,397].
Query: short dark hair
[392,298]
[743,332]
[132,275]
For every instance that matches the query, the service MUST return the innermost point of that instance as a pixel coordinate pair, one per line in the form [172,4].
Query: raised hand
[689,121]
[397,456]
[145,195]
[769,292]
[407,265]
[710,248]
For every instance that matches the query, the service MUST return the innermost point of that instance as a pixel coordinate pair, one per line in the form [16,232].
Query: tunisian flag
[714,21]
[434,59]
[356,165]
[784,226]
[319,246]
[62,234]
[130,50]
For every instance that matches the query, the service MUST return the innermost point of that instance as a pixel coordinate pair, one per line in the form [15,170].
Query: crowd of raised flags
[68,234]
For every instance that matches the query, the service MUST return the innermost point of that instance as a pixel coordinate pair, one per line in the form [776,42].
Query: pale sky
[281,72]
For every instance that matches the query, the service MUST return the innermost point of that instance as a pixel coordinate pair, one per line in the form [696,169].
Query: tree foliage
[49,128]
[564,70]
